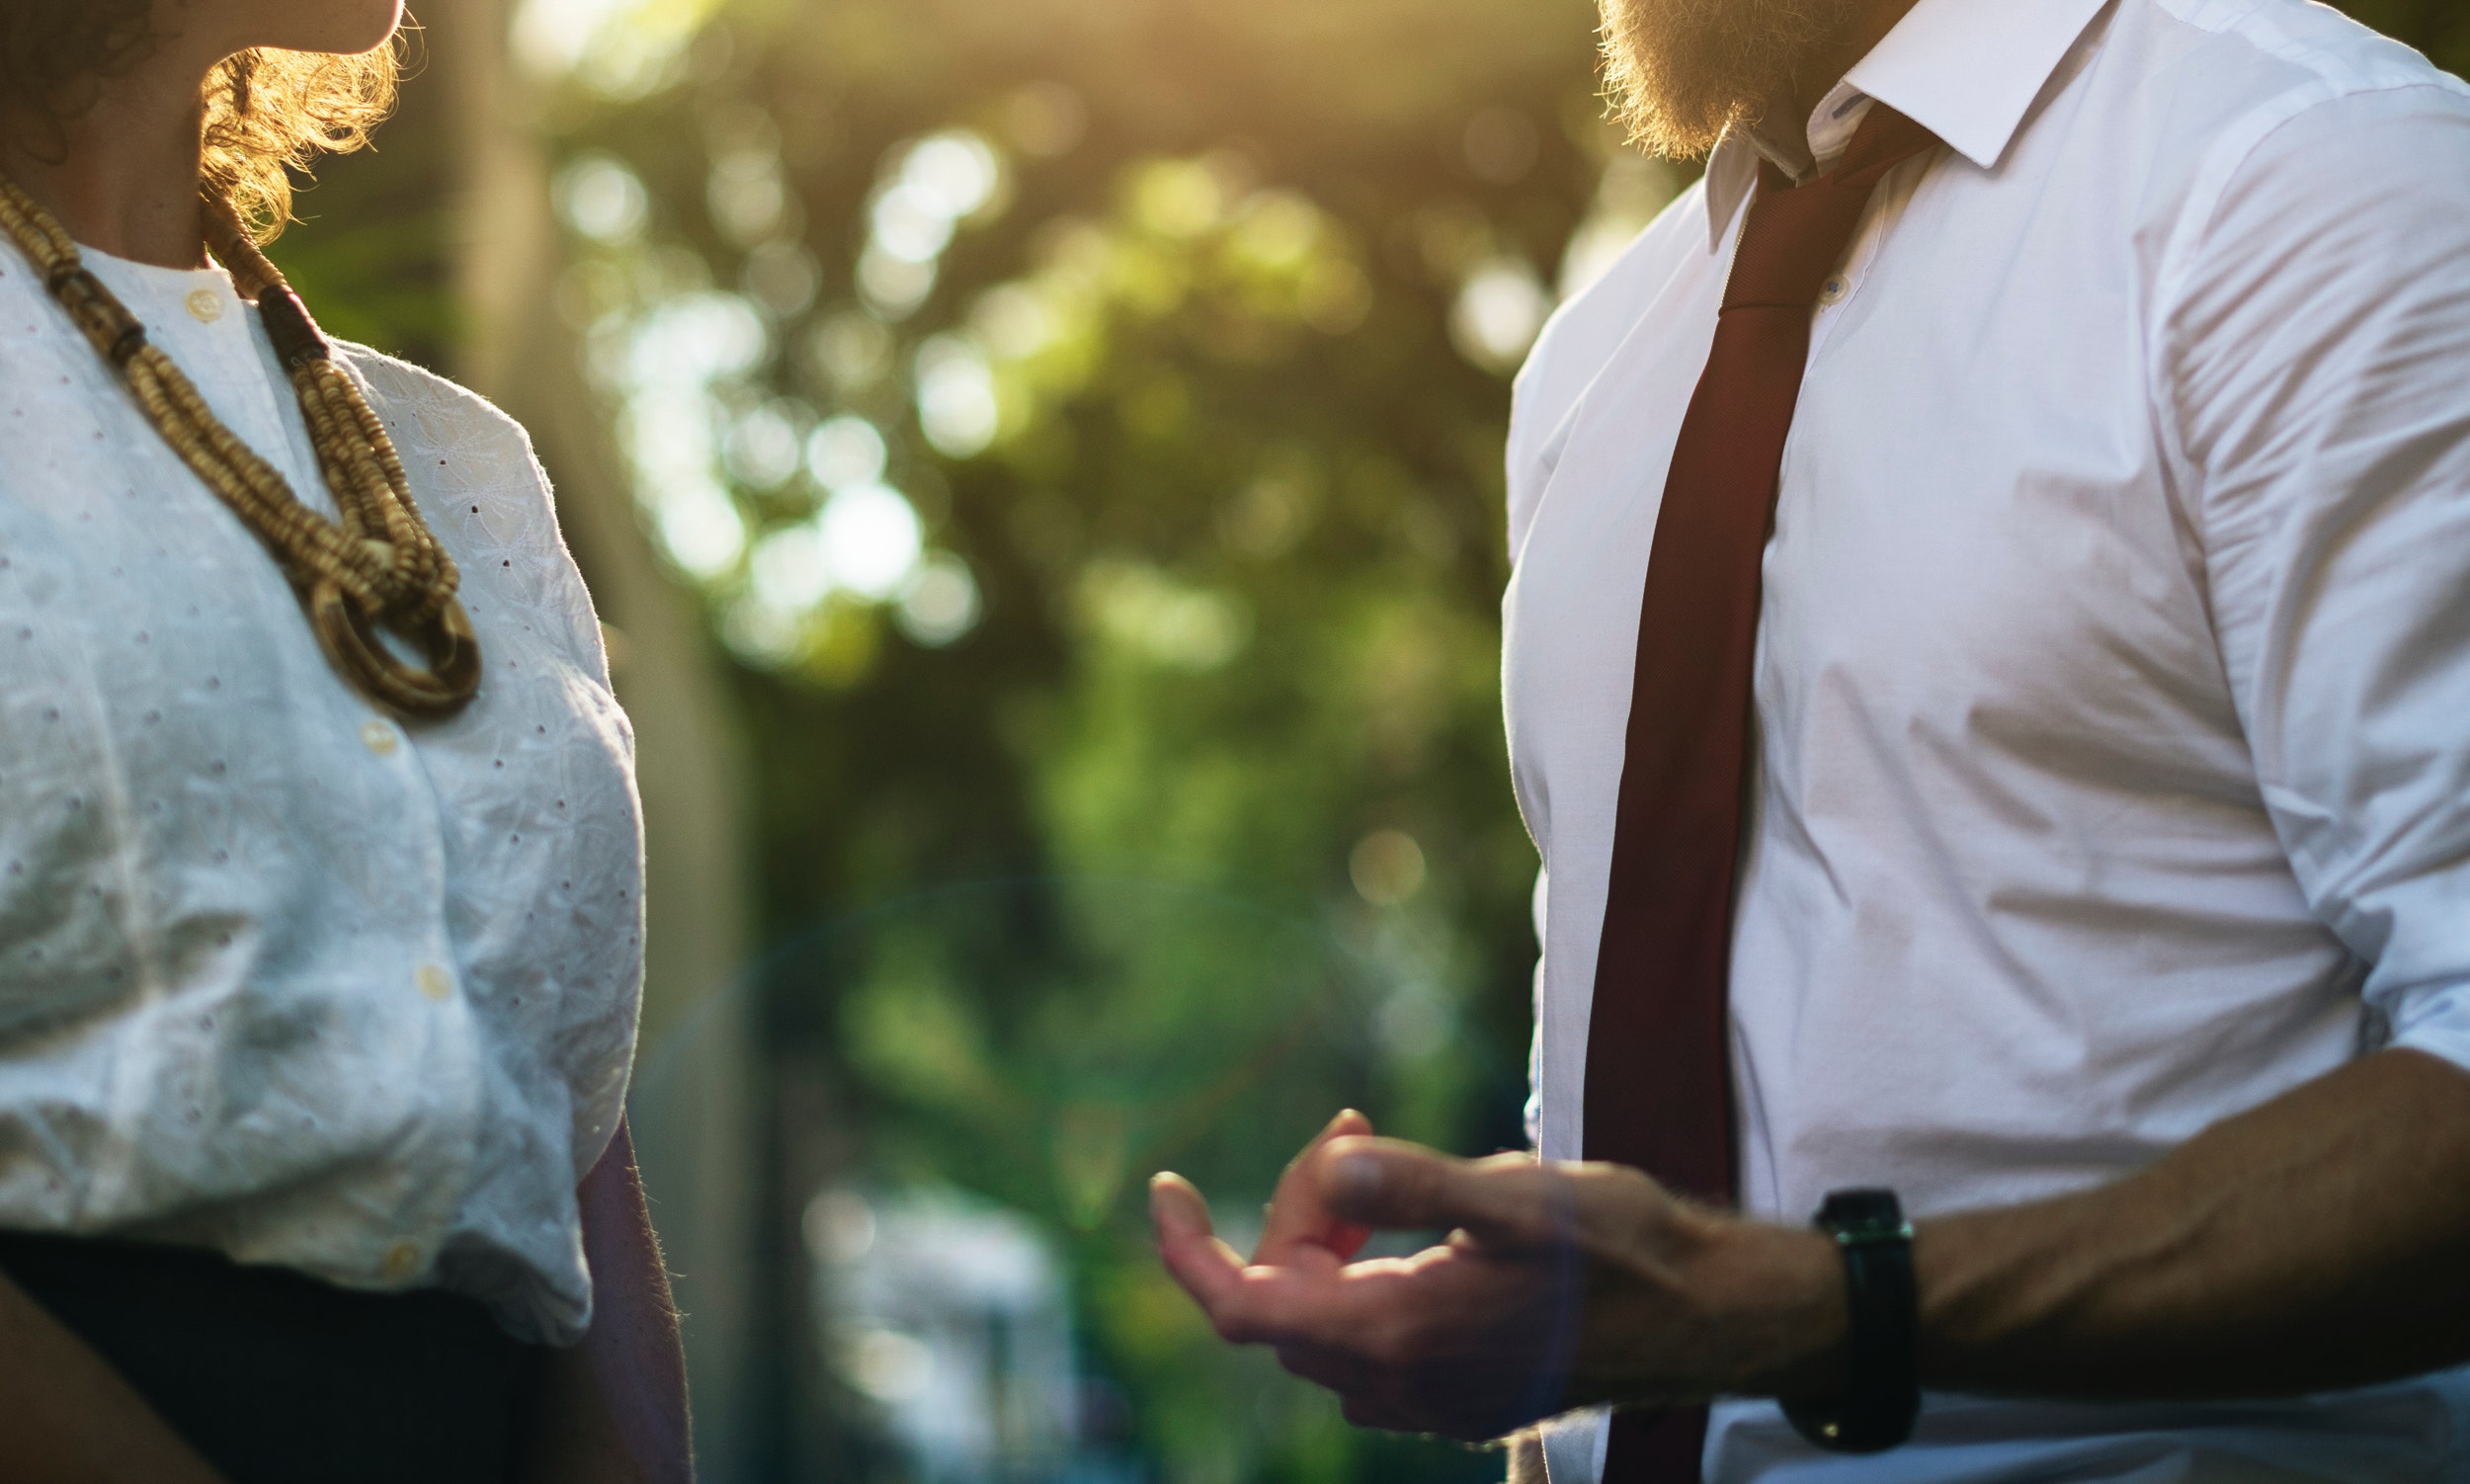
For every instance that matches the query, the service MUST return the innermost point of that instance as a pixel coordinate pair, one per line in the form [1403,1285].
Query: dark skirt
[276,1379]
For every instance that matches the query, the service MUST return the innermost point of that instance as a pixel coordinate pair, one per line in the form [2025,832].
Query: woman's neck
[126,182]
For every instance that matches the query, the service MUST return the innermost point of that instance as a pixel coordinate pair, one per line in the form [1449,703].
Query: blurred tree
[1085,419]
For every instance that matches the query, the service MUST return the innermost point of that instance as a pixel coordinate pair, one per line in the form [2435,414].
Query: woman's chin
[337,26]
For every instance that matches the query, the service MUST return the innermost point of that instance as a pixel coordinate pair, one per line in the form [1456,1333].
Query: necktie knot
[1796,235]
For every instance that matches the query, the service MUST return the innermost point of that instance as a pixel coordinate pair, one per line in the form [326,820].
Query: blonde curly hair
[268,112]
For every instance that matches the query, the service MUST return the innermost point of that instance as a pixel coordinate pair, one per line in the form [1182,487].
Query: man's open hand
[1558,1285]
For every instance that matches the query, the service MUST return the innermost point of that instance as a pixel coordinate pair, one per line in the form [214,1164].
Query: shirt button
[206,307]
[380,737]
[434,981]
[402,1261]
[1834,291]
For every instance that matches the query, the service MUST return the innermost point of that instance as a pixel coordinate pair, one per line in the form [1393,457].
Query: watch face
[1854,1216]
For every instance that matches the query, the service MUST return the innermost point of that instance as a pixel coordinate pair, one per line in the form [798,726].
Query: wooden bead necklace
[377,568]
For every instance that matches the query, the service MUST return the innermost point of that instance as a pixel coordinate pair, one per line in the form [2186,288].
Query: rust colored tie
[1658,1094]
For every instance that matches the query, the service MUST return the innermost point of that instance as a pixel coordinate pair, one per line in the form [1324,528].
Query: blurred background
[1038,464]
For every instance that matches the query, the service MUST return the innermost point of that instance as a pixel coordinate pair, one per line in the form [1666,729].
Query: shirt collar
[1966,70]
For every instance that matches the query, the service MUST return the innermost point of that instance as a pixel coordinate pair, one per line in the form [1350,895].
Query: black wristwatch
[1880,1397]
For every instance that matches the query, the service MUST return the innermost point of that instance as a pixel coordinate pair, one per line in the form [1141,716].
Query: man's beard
[1681,71]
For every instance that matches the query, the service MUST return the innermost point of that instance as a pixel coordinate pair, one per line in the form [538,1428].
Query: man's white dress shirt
[2113,671]
[279,974]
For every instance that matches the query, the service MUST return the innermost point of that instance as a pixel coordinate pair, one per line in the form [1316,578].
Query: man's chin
[1678,127]
[1683,71]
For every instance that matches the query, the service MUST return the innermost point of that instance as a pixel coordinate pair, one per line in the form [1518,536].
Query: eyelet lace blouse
[279,974]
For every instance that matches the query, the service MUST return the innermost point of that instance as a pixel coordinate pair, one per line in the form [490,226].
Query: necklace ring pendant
[353,645]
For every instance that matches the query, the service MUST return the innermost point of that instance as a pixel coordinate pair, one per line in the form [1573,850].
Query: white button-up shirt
[279,974]
[2113,671]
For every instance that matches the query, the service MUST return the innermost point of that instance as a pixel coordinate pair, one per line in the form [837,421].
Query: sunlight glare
[872,539]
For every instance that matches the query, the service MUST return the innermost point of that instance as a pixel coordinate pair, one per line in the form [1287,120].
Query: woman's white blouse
[279,974]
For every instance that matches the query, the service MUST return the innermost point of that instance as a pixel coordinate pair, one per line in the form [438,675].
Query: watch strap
[1877,1406]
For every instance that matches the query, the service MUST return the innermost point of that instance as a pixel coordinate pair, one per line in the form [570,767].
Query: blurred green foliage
[1223,751]
[1239,540]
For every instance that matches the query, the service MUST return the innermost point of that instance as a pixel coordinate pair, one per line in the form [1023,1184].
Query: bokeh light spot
[954,174]
[874,539]
[1387,867]
[958,406]
[702,530]
[852,351]
[910,224]
[846,453]
[598,197]
[763,448]
[894,286]
[1499,311]
[791,569]
[941,604]
[780,276]
[746,195]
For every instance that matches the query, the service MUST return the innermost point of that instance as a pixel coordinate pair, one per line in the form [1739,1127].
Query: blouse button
[1835,289]
[206,307]
[402,1261]
[380,737]
[434,981]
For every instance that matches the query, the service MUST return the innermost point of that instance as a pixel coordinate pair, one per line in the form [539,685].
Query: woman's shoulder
[409,397]
[471,469]
[464,454]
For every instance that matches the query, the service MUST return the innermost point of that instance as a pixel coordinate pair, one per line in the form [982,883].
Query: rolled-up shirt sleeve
[2316,374]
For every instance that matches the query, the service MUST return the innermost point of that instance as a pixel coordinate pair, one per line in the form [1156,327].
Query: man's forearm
[2319,1241]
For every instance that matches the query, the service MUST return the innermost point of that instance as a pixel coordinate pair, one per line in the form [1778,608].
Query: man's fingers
[1445,1340]
[1177,1209]
[1297,1212]
[1247,1304]
[1206,1267]
[1390,1184]
[1349,1124]
[1285,1306]
[1369,1309]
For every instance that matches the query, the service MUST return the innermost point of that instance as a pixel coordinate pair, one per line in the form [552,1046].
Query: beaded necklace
[376,569]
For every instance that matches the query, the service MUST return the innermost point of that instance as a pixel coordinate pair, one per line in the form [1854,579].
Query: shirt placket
[427,982]
[209,332]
